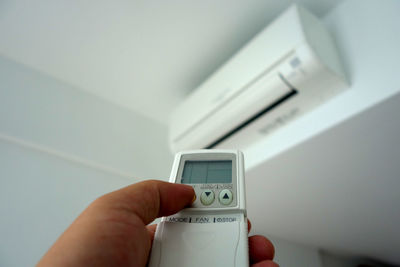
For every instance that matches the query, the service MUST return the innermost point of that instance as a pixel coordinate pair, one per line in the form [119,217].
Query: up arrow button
[225,197]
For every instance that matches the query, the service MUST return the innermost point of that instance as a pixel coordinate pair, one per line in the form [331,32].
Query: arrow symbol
[226,196]
[208,193]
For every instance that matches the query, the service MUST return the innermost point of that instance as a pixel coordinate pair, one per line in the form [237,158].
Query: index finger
[152,199]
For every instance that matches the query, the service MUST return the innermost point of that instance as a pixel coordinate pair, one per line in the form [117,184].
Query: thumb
[152,199]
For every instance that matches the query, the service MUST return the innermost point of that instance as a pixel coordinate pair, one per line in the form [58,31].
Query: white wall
[335,260]
[290,254]
[40,195]
[50,114]
[60,148]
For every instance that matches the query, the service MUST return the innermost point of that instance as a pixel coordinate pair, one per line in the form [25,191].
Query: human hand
[114,231]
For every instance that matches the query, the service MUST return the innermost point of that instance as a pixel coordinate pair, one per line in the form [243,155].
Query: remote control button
[207,197]
[225,197]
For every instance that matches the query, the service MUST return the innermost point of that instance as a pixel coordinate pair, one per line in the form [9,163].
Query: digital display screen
[207,172]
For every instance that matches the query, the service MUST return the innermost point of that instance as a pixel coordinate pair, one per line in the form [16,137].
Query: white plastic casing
[204,236]
[287,69]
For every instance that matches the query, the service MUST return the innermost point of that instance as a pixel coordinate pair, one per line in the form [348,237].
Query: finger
[265,264]
[248,226]
[151,199]
[260,249]
[152,231]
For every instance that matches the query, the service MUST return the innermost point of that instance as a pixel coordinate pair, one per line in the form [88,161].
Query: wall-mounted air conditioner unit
[286,70]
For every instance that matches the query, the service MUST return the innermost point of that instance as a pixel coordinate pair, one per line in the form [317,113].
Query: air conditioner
[287,69]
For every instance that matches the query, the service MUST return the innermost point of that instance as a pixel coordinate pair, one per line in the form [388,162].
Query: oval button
[207,197]
[225,197]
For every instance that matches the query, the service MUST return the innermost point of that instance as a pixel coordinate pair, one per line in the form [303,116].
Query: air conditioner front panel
[258,56]
[289,68]
[260,95]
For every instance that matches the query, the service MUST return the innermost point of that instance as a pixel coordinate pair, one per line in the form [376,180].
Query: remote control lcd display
[207,172]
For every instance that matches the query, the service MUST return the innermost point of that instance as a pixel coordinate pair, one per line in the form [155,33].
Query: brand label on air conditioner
[279,121]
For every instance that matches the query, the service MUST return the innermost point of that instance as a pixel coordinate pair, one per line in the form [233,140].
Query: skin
[114,230]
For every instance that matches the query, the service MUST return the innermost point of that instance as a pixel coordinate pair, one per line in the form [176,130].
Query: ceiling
[141,55]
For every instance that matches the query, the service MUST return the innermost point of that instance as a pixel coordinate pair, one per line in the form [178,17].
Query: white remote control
[213,231]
